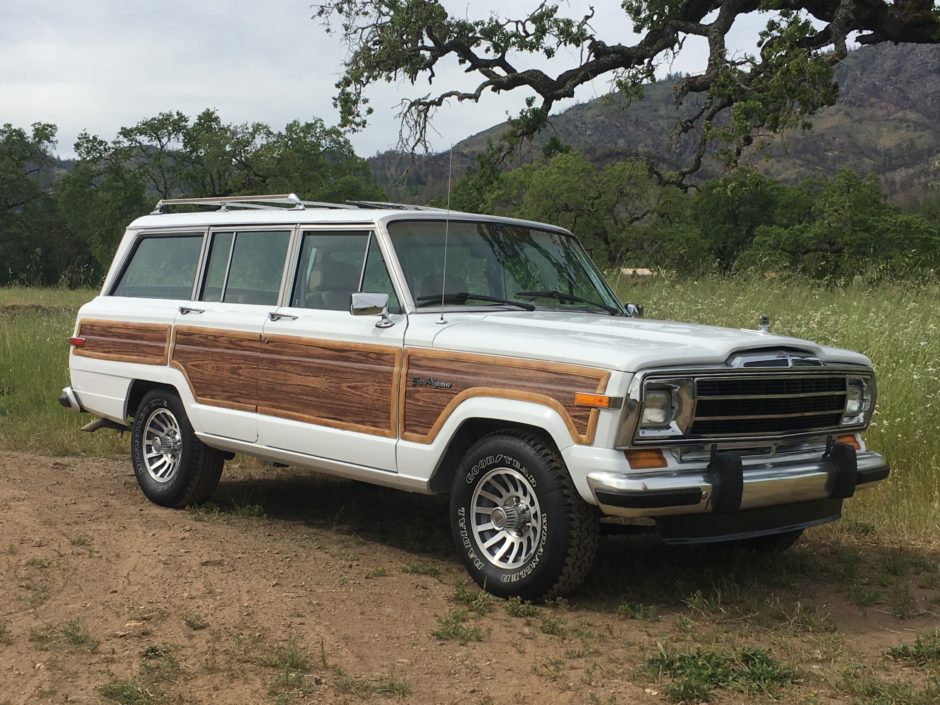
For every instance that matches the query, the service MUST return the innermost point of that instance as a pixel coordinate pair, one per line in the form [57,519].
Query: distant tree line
[827,228]
[62,228]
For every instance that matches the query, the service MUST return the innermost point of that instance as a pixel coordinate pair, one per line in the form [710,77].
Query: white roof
[324,216]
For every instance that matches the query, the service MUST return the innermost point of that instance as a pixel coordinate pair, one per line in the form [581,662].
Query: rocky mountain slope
[887,120]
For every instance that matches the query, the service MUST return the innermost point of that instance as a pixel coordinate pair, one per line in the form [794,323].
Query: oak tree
[31,251]
[786,77]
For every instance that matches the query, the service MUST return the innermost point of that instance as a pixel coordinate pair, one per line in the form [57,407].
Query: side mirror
[365,304]
[634,310]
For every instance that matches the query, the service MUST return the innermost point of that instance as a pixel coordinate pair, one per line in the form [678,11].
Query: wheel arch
[138,389]
[469,432]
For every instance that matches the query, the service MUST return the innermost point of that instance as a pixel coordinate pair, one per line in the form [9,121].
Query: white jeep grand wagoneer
[484,357]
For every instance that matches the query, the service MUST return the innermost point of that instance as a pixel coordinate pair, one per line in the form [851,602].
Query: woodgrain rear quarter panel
[145,343]
[220,366]
[424,409]
[351,386]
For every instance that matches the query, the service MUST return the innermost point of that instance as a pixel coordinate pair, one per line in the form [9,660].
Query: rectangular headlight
[658,408]
[859,398]
[666,408]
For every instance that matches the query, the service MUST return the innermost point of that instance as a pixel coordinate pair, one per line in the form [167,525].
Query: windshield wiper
[461,297]
[562,297]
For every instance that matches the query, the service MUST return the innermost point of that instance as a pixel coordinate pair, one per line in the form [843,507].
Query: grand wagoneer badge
[432,382]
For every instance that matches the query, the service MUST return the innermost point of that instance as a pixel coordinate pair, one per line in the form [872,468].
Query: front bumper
[725,487]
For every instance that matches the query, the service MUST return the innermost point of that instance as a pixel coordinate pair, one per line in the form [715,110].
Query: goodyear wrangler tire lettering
[520,526]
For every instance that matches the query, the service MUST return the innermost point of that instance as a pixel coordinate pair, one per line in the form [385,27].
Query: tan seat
[329,288]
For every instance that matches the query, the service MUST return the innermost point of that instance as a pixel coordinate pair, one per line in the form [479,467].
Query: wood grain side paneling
[220,366]
[351,386]
[145,343]
[424,409]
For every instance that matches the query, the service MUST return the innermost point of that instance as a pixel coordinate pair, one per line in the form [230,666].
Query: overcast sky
[99,65]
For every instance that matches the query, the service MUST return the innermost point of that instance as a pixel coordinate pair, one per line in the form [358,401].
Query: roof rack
[223,203]
[396,206]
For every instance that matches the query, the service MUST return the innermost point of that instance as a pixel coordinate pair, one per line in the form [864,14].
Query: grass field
[894,324]
[35,325]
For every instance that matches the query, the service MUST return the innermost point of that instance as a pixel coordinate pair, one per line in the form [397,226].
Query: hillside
[884,121]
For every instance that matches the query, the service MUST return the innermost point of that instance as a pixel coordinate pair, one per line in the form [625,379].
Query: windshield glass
[499,265]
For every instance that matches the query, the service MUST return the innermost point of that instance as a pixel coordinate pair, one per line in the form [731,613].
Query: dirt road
[296,588]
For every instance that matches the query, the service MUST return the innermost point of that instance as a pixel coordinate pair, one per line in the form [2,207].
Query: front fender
[421,459]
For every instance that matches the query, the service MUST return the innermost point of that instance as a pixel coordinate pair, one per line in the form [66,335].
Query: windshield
[498,265]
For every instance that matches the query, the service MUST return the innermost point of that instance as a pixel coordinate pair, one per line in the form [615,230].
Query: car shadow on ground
[403,520]
[633,569]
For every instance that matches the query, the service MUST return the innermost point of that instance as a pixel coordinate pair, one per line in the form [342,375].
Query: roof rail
[397,206]
[223,203]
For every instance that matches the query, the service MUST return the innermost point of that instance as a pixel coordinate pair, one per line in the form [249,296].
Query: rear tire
[172,466]
[520,525]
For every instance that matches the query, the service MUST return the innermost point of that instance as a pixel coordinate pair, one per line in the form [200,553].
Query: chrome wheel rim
[506,518]
[161,446]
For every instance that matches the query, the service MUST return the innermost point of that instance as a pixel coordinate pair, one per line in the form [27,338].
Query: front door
[328,380]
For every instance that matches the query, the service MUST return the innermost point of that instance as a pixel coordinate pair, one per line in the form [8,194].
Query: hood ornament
[763,323]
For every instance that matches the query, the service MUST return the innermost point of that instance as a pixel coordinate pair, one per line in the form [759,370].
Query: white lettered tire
[520,525]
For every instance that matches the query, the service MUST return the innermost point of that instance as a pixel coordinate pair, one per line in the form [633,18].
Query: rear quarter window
[161,267]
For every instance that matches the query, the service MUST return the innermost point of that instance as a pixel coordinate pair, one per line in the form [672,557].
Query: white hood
[613,342]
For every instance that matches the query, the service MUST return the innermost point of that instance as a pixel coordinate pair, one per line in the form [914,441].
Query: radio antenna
[450,174]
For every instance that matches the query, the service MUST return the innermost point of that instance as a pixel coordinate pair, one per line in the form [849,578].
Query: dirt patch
[292,587]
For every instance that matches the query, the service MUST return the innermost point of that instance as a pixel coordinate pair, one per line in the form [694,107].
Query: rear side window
[161,268]
[246,267]
[219,253]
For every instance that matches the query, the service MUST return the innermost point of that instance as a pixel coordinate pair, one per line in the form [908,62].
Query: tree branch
[389,40]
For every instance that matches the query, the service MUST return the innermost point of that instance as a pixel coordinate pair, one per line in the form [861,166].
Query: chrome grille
[777,404]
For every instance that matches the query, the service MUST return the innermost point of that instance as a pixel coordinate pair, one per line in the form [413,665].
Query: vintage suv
[436,351]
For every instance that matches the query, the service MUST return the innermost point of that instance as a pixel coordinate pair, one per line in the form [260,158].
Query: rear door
[328,380]
[217,335]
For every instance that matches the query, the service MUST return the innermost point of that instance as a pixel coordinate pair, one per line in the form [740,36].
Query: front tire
[520,525]
[172,466]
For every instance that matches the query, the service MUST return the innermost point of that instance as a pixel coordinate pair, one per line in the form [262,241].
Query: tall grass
[895,325]
[35,325]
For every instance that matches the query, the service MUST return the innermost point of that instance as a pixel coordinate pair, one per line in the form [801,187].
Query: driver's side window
[331,268]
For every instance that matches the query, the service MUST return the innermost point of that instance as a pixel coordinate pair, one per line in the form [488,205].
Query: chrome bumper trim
[69,402]
[652,494]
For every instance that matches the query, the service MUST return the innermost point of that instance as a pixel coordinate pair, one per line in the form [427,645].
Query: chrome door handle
[189,309]
[275,316]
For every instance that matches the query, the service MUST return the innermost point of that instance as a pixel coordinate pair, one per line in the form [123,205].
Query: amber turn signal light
[850,440]
[597,401]
[645,458]
[76,342]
